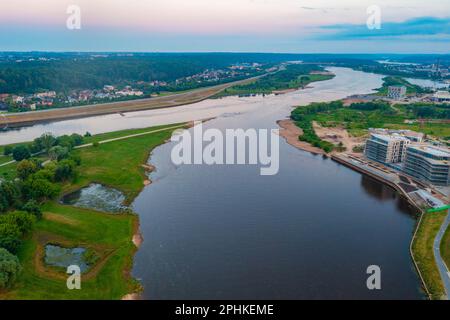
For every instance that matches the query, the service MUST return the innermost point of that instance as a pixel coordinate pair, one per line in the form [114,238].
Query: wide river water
[226,232]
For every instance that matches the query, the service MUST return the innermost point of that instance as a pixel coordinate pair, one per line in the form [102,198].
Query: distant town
[111,92]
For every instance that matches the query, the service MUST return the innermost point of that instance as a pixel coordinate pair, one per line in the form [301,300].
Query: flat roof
[389,137]
[442,95]
[436,151]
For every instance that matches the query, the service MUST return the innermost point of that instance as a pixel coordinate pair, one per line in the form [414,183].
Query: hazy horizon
[270,26]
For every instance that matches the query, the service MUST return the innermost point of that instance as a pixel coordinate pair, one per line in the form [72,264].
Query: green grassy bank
[422,249]
[107,237]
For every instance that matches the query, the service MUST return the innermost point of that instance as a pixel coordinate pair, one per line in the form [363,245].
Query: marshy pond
[57,256]
[97,197]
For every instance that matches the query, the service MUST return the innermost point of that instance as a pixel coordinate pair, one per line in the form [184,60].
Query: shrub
[9,268]
[8,150]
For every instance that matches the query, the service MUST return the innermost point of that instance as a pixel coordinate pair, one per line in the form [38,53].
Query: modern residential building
[386,148]
[428,163]
[441,96]
[409,134]
[396,92]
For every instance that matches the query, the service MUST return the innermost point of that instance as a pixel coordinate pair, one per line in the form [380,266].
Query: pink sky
[213,16]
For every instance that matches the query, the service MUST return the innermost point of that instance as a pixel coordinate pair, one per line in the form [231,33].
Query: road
[193,96]
[443,270]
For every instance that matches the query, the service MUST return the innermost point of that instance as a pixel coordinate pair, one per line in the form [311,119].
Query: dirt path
[336,135]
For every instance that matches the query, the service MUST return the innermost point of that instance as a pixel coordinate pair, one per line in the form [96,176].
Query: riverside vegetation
[294,76]
[359,117]
[32,217]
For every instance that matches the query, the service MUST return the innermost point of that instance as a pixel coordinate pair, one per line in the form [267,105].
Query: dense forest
[22,73]
[65,72]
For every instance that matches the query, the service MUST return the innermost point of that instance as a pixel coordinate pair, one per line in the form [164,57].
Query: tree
[10,195]
[33,208]
[48,141]
[64,170]
[25,168]
[21,152]
[38,188]
[9,236]
[9,268]
[77,139]
[58,153]
[16,224]
[65,141]
[11,244]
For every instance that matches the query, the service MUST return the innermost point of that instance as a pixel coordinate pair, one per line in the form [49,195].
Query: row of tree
[20,198]
[56,147]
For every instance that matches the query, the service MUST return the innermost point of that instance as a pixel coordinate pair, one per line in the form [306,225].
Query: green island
[422,250]
[32,217]
[292,77]
[411,89]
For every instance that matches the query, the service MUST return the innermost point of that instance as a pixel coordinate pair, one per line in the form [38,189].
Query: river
[226,232]
[309,232]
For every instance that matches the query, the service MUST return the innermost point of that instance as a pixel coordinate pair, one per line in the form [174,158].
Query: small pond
[97,197]
[63,257]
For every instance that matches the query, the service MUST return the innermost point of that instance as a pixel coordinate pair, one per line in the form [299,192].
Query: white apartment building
[386,148]
[396,92]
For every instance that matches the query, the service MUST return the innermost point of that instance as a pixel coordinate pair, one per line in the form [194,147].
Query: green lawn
[441,130]
[116,164]
[8,171]
[423,252]
[104,233]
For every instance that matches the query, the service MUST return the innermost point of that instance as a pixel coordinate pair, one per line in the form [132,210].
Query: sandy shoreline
[290,132]
[173,100]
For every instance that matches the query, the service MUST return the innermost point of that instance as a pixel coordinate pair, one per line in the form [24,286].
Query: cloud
[434,28]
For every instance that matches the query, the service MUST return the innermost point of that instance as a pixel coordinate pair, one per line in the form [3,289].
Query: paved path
[131,136]
[115,139]
[443,270]
[7,163]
